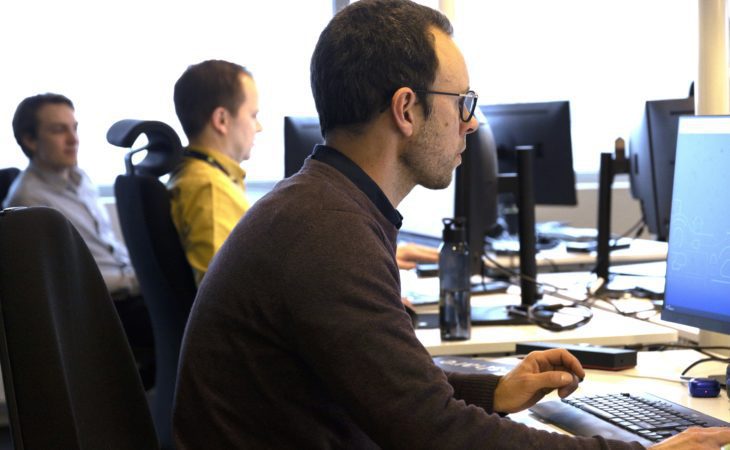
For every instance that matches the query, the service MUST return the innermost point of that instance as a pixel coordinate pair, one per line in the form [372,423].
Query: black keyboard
[628,417]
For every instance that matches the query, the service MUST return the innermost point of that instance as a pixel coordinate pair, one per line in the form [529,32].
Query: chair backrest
[165,276]
[69,374]
[7,176]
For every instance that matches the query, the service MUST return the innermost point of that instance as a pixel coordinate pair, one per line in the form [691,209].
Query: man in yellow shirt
[217,104]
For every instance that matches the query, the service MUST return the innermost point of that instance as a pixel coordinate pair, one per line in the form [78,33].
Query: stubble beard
[426,163]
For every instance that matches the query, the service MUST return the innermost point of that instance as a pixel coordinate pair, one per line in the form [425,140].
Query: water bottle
[454,282]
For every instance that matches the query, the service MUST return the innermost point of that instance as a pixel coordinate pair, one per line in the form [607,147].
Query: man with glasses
[467,101]
[298,338]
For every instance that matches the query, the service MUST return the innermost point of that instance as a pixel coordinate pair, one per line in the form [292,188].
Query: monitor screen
[698,262]
[546,127]
[301,134]
[651,149]
[476,190]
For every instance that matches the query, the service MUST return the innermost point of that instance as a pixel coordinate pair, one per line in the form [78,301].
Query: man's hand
[537,375]
[408,255]
[696,439]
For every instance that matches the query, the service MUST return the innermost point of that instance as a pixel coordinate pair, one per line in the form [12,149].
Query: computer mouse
[704,387]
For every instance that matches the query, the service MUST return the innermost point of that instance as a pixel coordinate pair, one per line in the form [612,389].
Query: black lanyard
[203,157]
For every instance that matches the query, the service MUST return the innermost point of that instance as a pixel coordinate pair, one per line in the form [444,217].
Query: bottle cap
[454,229]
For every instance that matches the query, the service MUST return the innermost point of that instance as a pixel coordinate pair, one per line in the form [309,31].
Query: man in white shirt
[46,130]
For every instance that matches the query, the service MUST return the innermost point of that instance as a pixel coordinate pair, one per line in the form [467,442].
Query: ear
[219,120]
[403,109]
[30,143]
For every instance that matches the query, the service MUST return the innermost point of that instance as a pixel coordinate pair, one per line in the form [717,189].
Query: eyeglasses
[467,102]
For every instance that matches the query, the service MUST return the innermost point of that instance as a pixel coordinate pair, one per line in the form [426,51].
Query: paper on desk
[420,291]
[464,364]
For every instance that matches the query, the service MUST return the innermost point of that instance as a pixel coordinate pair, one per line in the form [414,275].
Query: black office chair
[69,374]
[165,276]
[7,176]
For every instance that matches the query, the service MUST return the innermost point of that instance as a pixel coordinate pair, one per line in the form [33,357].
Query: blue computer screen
[698,263]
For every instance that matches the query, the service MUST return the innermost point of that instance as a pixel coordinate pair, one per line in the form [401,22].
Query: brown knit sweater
[298,339]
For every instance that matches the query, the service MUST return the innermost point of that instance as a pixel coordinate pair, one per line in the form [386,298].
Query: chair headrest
[164,149]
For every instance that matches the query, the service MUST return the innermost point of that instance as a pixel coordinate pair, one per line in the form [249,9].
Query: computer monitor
[475,190]
[698,263]
[301,134]
[546,127]
[651,152]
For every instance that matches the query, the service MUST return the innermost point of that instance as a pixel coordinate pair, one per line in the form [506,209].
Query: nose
[259,127]
[470,126]
[73,136]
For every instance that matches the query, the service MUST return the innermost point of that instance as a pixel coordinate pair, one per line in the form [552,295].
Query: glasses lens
[468,104]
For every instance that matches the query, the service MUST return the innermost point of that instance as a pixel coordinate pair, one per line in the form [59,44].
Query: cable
[639,226]
[543,315]
[555,290]
[589,299]
[635,314]
[698,348]
[704,360]
[592,294]
[662,347]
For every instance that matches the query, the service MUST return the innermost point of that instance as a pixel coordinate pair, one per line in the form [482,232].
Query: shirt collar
[354,173]
[55,179]
[234,169]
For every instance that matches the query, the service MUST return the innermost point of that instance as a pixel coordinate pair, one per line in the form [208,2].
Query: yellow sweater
[207,201]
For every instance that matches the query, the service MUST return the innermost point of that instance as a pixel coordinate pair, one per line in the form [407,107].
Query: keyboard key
[595,411]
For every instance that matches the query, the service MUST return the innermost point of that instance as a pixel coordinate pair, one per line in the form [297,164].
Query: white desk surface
[606,328]
[559,259]
[648,274]
[656,373]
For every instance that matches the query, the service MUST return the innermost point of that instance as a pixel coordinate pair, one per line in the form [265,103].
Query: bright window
[606,57]
[118,60]
[121,59]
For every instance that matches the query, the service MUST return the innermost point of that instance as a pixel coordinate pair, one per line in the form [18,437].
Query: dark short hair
[205,86]
[368,51]
[25,120]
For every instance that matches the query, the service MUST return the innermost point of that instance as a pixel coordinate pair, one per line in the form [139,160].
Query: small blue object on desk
[704,387]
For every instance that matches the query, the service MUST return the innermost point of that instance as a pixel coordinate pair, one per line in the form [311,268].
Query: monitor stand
[522,185]
[611,164]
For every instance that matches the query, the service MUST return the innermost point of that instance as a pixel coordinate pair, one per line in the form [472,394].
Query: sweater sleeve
[474,389]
